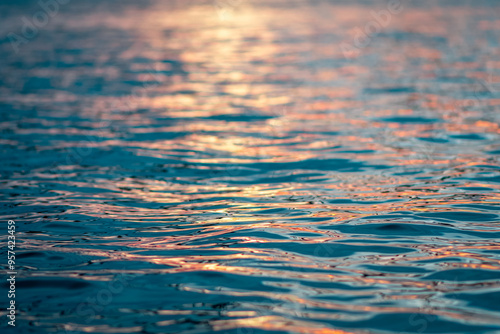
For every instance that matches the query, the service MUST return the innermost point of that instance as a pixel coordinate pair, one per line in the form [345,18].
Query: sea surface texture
[252,167]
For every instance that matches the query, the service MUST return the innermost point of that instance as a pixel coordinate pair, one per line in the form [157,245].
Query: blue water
[227,166]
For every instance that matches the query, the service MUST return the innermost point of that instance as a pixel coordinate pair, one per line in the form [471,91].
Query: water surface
[227,167]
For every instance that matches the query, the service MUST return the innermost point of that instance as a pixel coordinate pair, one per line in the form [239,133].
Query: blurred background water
[252,167]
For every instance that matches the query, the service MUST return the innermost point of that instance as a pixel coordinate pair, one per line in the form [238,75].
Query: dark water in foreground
[222,166]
